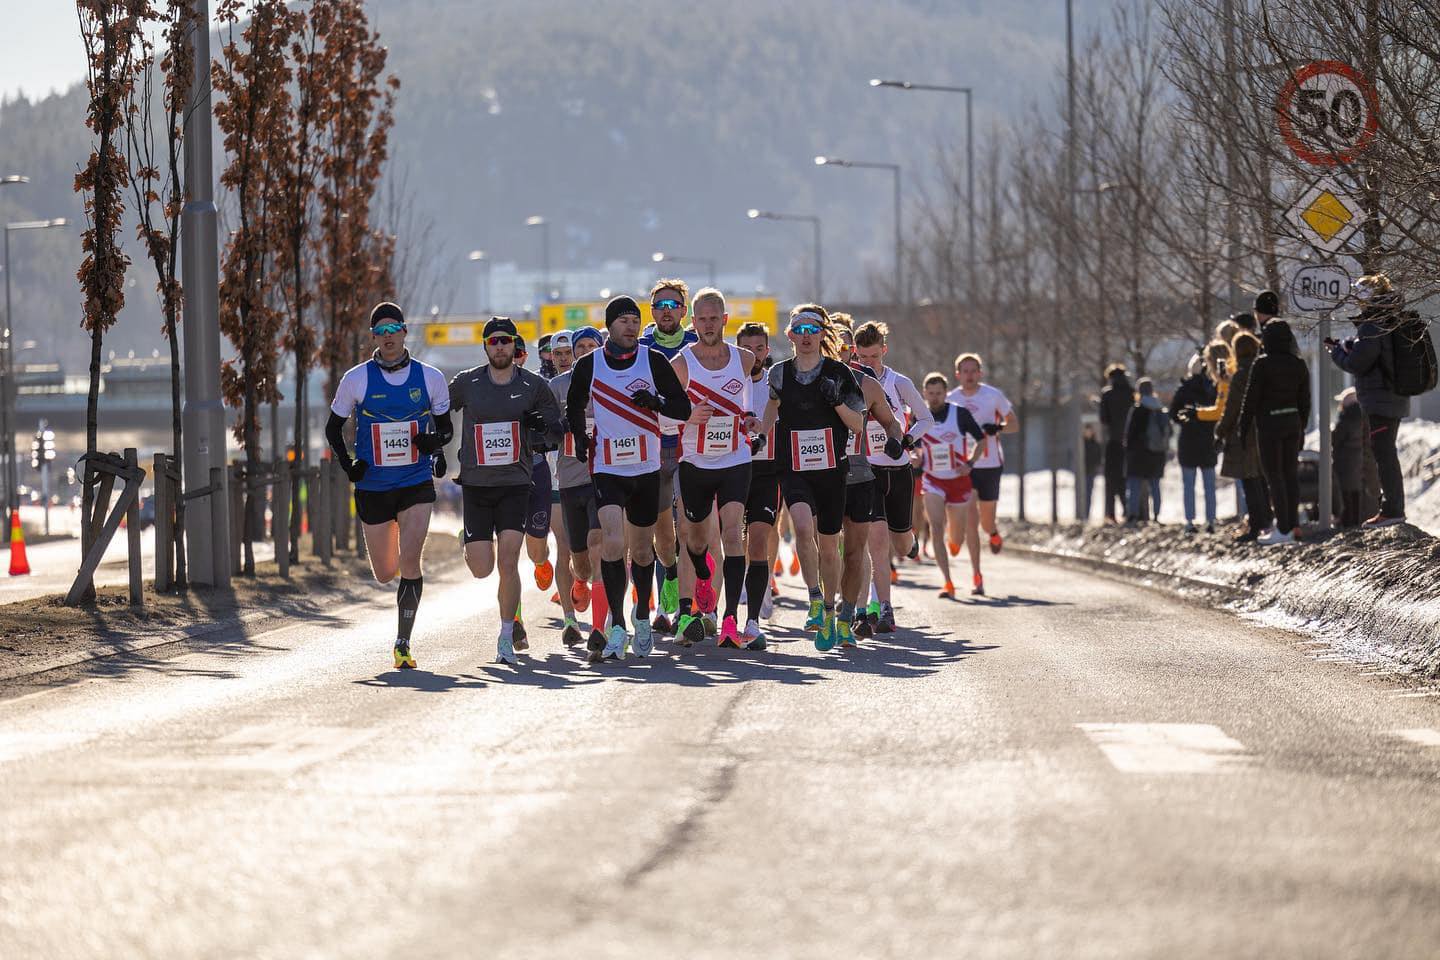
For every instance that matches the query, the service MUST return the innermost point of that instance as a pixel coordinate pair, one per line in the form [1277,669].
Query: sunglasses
[667,305]
[805,329]
[385,329]
[499,341]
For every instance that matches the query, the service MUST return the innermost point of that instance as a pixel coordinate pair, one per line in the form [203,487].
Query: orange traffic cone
[19,566]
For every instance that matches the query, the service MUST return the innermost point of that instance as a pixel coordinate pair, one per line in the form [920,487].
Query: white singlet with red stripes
[945,445]
[627,437]
[721,442]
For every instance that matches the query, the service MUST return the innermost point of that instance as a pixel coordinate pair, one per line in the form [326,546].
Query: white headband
[808,315]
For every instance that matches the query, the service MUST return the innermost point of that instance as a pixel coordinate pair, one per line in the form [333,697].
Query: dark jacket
[1115,403]
[1140,460]
[1347,443]
[1277,397]
[1242,452]
[1197,437]
[1094,456]
[1365,357]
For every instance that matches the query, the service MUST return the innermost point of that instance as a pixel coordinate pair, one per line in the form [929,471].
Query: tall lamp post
[894,168]
[482,294]
[659,257]
[814,222]
[12,473]
[969,161]
[544,226]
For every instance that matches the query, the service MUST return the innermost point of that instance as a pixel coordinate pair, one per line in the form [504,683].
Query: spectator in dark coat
[1347,445]
[1147,441]
[1276,406]
[1094,463]
[1196,448]
[1241,451]
[1115,402]
[1366,356]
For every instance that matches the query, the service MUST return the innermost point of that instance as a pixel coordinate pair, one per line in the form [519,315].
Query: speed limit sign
[1328,113]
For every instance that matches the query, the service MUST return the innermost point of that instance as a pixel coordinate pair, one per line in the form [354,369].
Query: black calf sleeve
[407,598]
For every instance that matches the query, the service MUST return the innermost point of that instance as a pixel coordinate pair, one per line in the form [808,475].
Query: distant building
[512,290]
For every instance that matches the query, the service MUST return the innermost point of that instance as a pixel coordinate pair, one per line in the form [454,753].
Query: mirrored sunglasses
[499,340]
[667,304]
[805,329]
[385,329]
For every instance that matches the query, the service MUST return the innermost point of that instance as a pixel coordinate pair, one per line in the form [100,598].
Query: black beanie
[619,307]
[1268,303]
[385,313]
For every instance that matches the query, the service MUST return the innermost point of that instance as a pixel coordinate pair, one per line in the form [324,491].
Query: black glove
[894,448]
[439,467]
[533,420]
[908,442]
[830,392]
[757,443]
[428,443]
[992,428]
[355,470]
[646,400]
[1186,413]
[582,447]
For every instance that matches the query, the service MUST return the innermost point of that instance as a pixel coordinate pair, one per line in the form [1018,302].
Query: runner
[631,386]
[669,299]
[762,503]
[571,593]
[578,513]
[951,445]
[402,423]
[894,483]
[503,405]
[715,459]
[993,412]
[817,403]
[862,507]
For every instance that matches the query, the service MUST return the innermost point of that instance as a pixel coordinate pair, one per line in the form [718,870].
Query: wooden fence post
[132,530]
[280,517]
[165,497]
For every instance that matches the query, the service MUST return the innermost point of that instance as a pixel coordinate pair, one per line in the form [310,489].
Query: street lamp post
[659,257]
[900,298]
[814,222]
[969,162]
[482,293]
[544,226]
[10,394]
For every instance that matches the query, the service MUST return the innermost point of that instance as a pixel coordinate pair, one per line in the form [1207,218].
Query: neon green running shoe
[843,636]
[670,598]
[690,630]
[816,620]
[826,635]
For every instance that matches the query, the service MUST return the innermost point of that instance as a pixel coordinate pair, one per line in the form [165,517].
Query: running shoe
[705,598]
[707,622]
[1382,519]
[826,635]
[661,623]
[843,634]
[948,593]
[580,595]
[894,575]
[521,637]
[887,619]
[555,598]
[996,541]
[644,642]
[861,626]
[615,646]
[404,660]
[767,605]
[544,575]
[914,551]
[505,652]
[690,630]
[571,635]
[594,644]
[779,567]
[795,564]
[754,636]
[872,613]
[979,589]
[729,634]
[816,620]
[670,597]
[953,547]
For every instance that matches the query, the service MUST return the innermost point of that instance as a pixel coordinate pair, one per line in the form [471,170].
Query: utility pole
[204,413]
[1232,157]
[1078,378]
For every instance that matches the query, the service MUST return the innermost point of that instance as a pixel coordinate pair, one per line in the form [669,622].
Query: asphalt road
[1073,768]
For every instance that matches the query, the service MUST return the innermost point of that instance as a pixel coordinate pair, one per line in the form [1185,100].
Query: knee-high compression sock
[697,560]
[613,573]
[757,581]
[407,598]
[733,572]
[599,605]
[643,576]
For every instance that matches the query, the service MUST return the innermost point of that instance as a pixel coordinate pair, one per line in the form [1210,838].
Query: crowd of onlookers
[1243,408]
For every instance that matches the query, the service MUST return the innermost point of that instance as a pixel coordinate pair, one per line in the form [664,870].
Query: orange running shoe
[580,595]
[795,564]
[544,575]
[979,589]
[996,542]
[949,592]
[555,597]
[894,575]
[953,547]
[779,567]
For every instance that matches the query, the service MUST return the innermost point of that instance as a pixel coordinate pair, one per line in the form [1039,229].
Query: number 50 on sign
[1328,113]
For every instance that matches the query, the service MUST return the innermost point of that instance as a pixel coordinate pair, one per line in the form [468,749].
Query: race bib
[942,457]
[876,436]
[715,437]
[568,446]
[394,444]
[497,444]
[858,445]
[812,449]
[767,452]
[620,451]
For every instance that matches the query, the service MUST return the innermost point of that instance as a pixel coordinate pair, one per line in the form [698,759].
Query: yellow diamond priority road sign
[1325,216]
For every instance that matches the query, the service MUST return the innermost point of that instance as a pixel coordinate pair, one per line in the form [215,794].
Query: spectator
[1147,440]
[1276,407]
[1217,365]
[1241,451]
[1196,449]
[1246,322]
[1115,402]
[1347,445]
[1094,463]
[1366,356]
[1267,308]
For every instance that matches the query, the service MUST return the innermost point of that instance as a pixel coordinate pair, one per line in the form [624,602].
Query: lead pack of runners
[663,460]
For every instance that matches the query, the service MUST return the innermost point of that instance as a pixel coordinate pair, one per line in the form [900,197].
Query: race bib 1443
[394,444]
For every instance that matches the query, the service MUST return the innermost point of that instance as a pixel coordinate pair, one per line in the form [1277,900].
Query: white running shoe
[1275,537]
[644,643]
[754,636]
[506,652]
[615,645]
[767,605]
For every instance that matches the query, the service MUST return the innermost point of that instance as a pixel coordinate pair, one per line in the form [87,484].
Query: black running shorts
[986,481]
[382,506]
[823,491]
[537,513]
[639,496]
[701,489]
[895,497]
[860,502]
[580,514]
[762,504]
[489,510]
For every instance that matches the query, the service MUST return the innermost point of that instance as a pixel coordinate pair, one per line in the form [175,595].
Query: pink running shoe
[705,598]
[730,634]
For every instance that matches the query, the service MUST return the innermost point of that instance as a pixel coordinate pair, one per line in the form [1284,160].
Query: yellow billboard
[467,333]
[743,310]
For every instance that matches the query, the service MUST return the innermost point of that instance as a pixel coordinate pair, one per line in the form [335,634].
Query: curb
[1128,570]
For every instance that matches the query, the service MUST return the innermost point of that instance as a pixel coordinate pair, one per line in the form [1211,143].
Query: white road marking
[1167,747]
[1424,736]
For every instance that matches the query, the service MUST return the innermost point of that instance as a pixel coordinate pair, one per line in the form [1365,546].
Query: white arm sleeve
[919,409]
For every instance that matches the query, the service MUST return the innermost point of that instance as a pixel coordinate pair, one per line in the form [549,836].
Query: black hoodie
[1277,397]
[1115,403]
